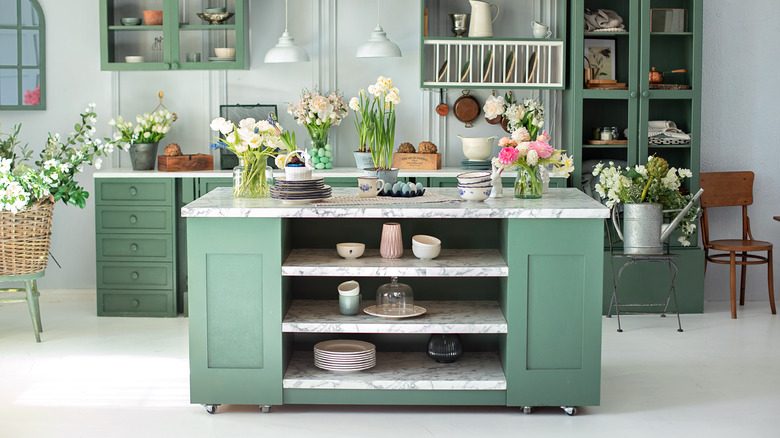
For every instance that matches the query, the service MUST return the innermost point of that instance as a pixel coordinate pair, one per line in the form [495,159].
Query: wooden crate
[417,161]
[184,163]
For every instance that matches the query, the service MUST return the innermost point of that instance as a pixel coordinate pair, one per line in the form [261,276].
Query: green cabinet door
[545,308]
[235,310]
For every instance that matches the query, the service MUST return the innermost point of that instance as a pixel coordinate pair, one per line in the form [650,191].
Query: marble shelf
[322,316]
[401,371]
[451,262]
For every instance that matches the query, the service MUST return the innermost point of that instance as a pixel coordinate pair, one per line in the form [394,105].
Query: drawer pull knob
[136,303]
[133,191]
[133,247]
[134,275]
[133,219]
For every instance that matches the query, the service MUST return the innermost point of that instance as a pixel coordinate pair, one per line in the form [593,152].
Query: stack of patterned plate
[344,355]
[299,192]
[475,165]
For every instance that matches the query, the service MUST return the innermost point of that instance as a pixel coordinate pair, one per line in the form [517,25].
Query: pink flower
[506,141]
[542,148]
[508,155]
[33,97]
[544,136]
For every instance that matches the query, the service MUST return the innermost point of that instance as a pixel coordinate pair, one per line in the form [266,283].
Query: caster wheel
[663,315]
[211,409]
[570,410]
[620,330]
[265,408]
[526,409]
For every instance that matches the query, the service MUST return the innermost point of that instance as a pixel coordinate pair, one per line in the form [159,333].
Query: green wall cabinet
[182,42]
[636,51]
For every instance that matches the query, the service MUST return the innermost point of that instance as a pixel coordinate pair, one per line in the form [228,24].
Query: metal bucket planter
[143,156]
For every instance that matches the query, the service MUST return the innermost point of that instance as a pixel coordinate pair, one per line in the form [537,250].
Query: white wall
[740,59]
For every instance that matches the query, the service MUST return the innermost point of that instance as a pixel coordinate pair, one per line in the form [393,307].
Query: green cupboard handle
[136,303]
[134,275]
[175,65]
[645,94]
[166,66]
[133,219]
[632,95]
[133,191]
[133,247]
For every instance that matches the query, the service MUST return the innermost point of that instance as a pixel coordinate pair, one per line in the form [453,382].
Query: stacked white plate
[301,191]
[344,355]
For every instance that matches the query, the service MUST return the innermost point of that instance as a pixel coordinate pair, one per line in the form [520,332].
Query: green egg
[315,159]
[319,166]
[321,152]
[329,154]
[329,165]
[325,160]
[328,147]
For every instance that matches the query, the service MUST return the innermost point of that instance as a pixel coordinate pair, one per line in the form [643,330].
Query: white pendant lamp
[286,50]
[378,45]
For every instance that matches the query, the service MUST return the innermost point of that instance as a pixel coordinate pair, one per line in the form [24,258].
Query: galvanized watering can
[643,230]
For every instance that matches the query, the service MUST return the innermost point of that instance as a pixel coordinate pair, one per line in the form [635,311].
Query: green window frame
[23,76]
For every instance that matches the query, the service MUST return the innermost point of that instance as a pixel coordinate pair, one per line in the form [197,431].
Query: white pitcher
[481,24]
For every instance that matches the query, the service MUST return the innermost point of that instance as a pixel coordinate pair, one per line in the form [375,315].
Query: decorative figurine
[498,188]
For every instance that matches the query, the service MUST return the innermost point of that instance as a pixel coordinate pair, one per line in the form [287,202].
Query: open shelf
[451,262]
[322,316]
[401,371]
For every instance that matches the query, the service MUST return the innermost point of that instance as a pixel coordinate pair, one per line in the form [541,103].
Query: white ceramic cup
[540,30]
[349,288]
[369,186]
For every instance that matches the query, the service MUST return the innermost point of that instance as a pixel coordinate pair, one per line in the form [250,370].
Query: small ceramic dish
[350,250]
[225,52]
[474,194]
[215,10]
[134,59]
[425,247]
[131,21]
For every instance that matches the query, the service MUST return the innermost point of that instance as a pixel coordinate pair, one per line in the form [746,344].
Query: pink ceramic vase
[392,246]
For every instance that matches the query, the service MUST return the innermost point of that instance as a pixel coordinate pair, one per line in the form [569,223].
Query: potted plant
[382,114]
[28,191]
[362,105]
[519,151]
[647,191]
[144,137]
[253,142]
[318,113]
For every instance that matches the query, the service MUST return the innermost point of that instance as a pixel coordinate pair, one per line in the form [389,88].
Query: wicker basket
[25,238]
[295,173]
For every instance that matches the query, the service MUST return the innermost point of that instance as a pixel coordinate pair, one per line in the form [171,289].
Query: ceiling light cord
[285,16]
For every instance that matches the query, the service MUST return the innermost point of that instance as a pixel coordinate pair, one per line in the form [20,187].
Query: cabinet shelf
[401,371]
[451,262]
[121,28]
[606,34]
[490,63]
[322,316]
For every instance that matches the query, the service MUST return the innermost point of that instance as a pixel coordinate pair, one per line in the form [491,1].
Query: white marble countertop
[399,371]
[558,203]
[341,172]
[322,316]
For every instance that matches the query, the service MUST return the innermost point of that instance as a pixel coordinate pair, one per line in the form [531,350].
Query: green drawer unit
[128,275]
[135,303]
[206,185]
[134,219]
[136,246]
[156,191]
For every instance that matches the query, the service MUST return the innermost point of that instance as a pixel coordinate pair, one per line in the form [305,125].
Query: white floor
[128,377]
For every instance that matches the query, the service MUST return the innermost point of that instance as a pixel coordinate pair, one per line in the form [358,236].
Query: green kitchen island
[520,281]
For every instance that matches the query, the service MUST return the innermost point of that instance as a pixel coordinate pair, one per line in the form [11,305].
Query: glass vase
[321,150]
[528,183]
[249,179]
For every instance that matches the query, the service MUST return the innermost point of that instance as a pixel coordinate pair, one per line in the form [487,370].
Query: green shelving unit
[182,42]
[636,51]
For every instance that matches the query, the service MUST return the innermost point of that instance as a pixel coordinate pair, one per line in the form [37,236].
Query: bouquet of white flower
[151,128]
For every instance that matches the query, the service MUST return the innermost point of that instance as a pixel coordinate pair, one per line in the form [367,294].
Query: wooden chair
[729,189]
[30,296]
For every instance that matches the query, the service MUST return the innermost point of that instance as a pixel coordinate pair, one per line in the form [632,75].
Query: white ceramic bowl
[475,183]
[133,59]
[349,288]
[225,52]
[350,250]
[477,148]
[474,176]
[474,193]
[425,247]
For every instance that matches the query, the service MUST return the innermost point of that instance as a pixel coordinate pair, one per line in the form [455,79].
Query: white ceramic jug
[481,23]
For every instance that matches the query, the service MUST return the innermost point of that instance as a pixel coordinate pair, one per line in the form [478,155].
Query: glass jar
[606,133]
[394,299]
[615,134]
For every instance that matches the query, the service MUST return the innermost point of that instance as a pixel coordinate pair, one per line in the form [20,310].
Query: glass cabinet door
[210,34]
[135,34]
[22,55]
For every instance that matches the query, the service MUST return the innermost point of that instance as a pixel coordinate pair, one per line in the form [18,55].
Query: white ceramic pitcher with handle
[481,23]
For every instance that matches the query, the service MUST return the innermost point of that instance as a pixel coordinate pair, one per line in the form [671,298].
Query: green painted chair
[30,295]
